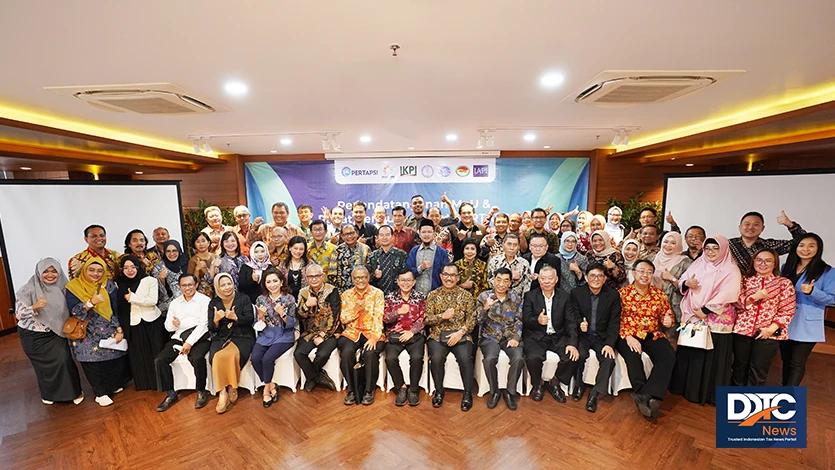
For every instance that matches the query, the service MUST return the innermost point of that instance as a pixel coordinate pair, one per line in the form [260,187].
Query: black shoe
[591,405]
[642,402]
[467,401]
[309,385]
[510,400]
[537,393]
[400,399]
[368,398]
[556,391]
[350,399]
[324,379]
[437,399]
[170,399]
[577,394]
[654,407]
[202,399]
[414,397]
[268,403]
[493,400]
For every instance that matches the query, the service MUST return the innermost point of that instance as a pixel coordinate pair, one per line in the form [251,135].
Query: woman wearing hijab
[711,287]
[293,267]
[231,259]
[604,253]
[276,310]
[573,264]
[598,222]
[670,264]
[91,298]
[136,244]
[168,272]
[41,310]
[249,279]
[613,225]
[232,338]
[630,250]
[204,264]
[583,233]
[141,320]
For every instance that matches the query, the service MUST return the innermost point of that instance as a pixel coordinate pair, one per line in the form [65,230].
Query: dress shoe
[400,399]
[467,401]
[556,391]
[493,400]
[233,395]
[591,404]
[167,402]
[642,402]
[270,399]
[202,399]
[350,399]
[437,399]
[510,400]
[577,393]
[324,379]
[309,385]
[368,398]
[654,407]
[537,393]
[414,397]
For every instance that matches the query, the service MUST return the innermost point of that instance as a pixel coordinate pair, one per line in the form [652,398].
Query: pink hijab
[664,262]
[719,280]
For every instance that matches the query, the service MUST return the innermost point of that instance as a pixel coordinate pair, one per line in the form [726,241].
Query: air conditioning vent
[620,88]
[143,98]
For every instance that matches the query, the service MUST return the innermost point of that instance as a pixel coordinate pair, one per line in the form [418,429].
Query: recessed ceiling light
[286,141]
[688,164]
[273,151]
[551,80]
[411,148]
[365,138]
[236,88]
[25,168]
[546,146]
[139,172]
[451,137]
[529,137]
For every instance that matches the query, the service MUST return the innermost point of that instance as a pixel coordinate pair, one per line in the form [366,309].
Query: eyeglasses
[644,273]
[315,275]
[764,261]
[595,276]
[449,274]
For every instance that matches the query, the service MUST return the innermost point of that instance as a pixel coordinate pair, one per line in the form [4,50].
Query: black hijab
[179,265]
[124,284]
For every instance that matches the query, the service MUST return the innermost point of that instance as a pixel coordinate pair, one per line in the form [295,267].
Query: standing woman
[472,272]
[41,310]
[136,244]
[204,264]
[583,221]
[573,264]
[168,272]
[602,252]
[670,264]
[249,280]
[141,320]
[630,250]
[711,287]
[232,338]
[92,298]
[276,310]
[598,222]
[231,261]
[293,267]
[613,225]
[814,283]
[765,309]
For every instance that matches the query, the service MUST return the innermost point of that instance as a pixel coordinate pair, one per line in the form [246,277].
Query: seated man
[645,309]
[187,319]
[597,307]
[362,317]
[499,313]
[548,327]
[403,321]
[449,315]
[318,309]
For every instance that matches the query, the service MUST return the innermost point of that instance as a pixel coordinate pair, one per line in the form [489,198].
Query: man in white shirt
[188,319]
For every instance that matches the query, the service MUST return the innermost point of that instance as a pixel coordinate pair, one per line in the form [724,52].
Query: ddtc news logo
[760,417]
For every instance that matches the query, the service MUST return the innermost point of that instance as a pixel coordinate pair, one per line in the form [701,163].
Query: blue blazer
[807,324]
[441,260]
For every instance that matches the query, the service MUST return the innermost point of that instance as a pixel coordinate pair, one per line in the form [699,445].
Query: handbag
[695,335]
[75,329]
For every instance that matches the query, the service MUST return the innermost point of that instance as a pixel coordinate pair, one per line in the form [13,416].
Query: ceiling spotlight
[196,145]
[207,147]
[235,88]
[139,172]
[411,148]
[551,80]
[334,145]
[546,146]
[485,139]
[286,141]
[621,137]
[452,137]
[25,168]
[365,138]
[688,164]
[529,137]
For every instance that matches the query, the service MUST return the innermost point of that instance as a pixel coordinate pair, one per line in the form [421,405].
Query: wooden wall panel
[220,184]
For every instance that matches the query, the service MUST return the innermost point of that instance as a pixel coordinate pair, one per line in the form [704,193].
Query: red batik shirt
[642,314]
[778,307]
[412,321]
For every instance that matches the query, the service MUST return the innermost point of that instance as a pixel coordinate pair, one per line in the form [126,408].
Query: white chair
[502,367]
[403,359]
[331,368]
[452,375]
[549,369]
[285,374]
[620,377]
[184,373]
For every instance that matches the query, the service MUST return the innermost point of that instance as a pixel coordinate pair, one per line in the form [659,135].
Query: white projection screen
[41,219]
[718,202]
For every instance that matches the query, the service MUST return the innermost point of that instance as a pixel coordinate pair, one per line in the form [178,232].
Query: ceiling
[462,65]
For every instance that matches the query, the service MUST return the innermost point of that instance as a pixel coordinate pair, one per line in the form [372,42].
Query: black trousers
[606,365]
[197,358]
[312,368]
[535,350]
[415,348]
[663,360]
[348,357]
[794,354]
[752,359]
[490,350]
[463,352]
[107,376]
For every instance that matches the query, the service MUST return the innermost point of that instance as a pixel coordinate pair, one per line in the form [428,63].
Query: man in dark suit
[538,256]
[548,327]
[597,308]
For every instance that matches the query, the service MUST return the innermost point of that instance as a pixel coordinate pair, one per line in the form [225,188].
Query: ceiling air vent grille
[140,98]
[629,87]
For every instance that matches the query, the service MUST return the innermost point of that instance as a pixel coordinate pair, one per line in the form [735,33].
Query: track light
[485,139]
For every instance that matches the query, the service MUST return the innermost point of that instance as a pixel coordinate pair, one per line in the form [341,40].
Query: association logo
[462,171]
[444,171]
[346,171]
[481,171]
[752,417]
[426,171]
[408,170]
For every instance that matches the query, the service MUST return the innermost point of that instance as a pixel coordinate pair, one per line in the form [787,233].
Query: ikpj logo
[481,171]
[408,170]
[761,417]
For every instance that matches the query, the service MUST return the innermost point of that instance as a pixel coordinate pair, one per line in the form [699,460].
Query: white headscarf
[615,230]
